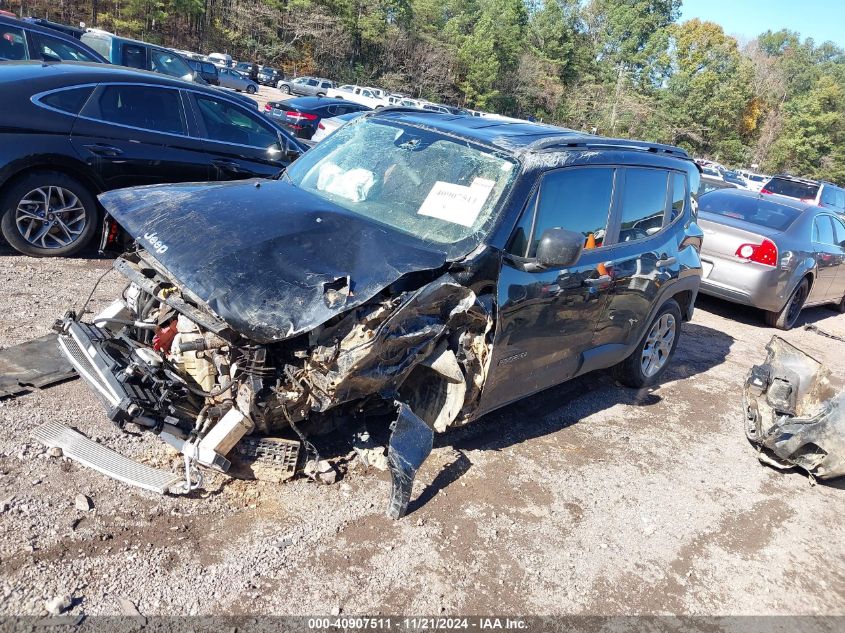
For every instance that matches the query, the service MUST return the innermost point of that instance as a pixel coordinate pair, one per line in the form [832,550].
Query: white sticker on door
[456,203]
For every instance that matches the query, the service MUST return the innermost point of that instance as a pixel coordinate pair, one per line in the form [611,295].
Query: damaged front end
[794,414]
[159,358]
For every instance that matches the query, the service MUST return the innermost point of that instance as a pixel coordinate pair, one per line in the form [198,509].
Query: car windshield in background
[753,210]
[792,188]
[414,180]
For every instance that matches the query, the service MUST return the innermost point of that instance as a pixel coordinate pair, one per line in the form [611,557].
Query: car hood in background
[268,258]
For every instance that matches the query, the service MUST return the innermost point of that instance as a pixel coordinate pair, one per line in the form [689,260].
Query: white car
[753,181]
[357,94]
[329,125]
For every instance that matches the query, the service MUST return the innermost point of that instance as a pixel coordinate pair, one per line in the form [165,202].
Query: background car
[328,125]
[754,181]
[303,115]
[136,54]
[357,94]
[306,86]
[711,184]
[230,78]
[128,128]
[21,40]
[206,70]
[770,252]
[734,178]
[268,76]
[818,192]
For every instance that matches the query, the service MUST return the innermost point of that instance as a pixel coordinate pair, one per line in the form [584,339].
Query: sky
[745,19]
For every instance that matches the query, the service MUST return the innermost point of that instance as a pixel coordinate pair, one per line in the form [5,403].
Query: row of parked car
[104,127]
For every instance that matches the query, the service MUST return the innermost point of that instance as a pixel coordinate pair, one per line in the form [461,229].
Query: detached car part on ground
[397,272]
[794,414]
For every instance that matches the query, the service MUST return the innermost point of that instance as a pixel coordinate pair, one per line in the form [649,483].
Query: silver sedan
[772,253]
[236,81]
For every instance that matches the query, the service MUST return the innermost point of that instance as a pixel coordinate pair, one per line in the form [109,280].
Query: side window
[829,195]
[134,56]
[839,199]
[70,101]
[146,107]
[227,123]
[208,68]
[839,231]
[823,230]
[643,203]
[326,84]
[312,82]
[577,200]
[54,49]
[679,195]
[168,63]
[12,43]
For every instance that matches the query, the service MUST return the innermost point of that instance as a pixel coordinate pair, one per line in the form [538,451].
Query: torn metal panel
[794,414]
[33,365]
[375,349]
[410,444]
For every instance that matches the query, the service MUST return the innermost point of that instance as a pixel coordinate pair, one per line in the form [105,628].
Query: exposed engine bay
[416,353]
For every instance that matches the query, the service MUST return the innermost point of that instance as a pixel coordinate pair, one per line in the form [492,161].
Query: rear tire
[651,357]
[48,214]
[285,89]
[788,315]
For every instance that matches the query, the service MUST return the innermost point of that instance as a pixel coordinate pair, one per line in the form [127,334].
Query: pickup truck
[358,94]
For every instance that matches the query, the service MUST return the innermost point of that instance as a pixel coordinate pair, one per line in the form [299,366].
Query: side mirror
[559,248]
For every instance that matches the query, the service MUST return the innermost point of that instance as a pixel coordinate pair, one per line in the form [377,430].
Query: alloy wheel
[50,217]
[658,345]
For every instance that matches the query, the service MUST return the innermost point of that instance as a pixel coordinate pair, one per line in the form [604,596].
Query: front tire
[250,90]
[788,315]
[48,214]
[651,357]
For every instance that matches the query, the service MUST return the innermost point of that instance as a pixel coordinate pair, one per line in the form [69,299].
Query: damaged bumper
[161,360]
[793,414]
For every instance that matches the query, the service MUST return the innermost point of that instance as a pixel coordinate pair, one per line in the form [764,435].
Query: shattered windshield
[417,181]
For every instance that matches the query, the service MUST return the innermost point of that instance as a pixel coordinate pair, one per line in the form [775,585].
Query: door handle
[668,261]
[101,149]
[597,281]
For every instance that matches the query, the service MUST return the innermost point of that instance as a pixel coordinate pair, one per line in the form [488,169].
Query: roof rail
[582,142]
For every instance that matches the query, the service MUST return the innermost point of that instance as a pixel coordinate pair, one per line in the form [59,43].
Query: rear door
[548,317]
[137,134]
[643,257]
[837,287]
[240,143]
[829,257]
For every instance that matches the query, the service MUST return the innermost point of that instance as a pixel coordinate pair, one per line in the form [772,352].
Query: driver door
[548,317]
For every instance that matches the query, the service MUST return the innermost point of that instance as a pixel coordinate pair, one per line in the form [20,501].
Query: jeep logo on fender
[158,246]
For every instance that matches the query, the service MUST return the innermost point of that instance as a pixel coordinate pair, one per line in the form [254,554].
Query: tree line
[625,68]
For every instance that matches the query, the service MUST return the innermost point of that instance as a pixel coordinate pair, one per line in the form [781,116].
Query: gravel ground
[585,499]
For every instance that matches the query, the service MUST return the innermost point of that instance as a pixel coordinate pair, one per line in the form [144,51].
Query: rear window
[793,189]
[753,210]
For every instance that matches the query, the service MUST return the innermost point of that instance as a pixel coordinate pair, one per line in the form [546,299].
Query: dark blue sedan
[303,114]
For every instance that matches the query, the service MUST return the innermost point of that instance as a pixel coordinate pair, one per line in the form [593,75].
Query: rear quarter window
[753,210]
[70,101]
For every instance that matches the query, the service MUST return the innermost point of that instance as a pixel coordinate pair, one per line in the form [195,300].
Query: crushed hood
[268,258]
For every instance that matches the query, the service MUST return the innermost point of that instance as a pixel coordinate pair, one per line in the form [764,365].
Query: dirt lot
[589,498]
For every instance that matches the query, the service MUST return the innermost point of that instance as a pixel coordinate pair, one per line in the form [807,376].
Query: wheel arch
[77,170]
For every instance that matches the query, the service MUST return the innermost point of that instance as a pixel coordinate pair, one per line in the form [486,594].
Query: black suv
[71,131]
[418,266]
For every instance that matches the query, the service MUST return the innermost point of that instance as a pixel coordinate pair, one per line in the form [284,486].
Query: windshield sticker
[352,185]
[456,203]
